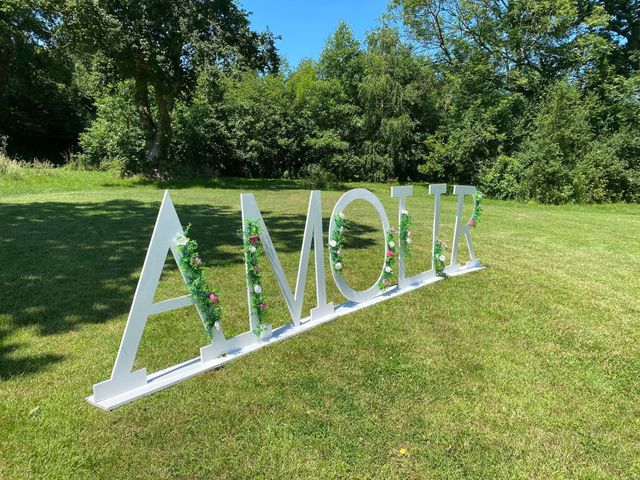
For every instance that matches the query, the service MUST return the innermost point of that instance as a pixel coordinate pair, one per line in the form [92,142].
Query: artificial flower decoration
[405,235]
[387,272]
[477,208]
[439,258]
[204,298]
[252,253]
[181,239]
[336,242]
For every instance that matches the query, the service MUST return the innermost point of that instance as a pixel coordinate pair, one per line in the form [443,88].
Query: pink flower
[394,229]
[472,222]
[253,238]
[385,282]
[389,253]
[262,306]
[197,261]
[213,297]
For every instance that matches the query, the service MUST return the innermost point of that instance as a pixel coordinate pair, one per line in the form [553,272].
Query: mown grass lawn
[528,369]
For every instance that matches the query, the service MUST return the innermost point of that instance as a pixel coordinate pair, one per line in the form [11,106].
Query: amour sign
[126,385]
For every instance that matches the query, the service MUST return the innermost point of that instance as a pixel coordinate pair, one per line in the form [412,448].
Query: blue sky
[305,25]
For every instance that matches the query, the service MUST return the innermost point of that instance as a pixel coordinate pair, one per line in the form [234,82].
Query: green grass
[528,369]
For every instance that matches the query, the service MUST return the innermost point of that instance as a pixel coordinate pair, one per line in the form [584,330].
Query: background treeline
[528,99]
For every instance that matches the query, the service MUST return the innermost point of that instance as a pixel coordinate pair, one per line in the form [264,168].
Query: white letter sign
[126,385]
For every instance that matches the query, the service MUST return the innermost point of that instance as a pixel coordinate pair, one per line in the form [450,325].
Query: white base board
[177,373]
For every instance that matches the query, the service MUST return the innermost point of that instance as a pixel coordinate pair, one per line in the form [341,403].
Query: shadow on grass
[10,366]
[65,264]
[231,183]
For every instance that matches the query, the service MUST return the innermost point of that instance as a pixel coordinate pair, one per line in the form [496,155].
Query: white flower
[338,266]
[388,269]
[408,233]
[252,249]
[341,229]
[442,258]
[333,243]
[338,252]
[392,244]
[404,212]
[216,325]
[409,240]
[342,215]
[257,288]
[181,240]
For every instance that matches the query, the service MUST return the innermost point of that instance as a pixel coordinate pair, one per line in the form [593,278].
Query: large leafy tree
[397,97]
[622,30]
[160,45]
[528,43]
[498,59]
[341,59]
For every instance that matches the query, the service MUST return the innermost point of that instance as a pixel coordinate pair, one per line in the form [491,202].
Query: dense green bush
[317,177]
[569,156]
[114,140]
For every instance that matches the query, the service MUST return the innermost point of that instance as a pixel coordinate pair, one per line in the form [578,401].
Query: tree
[41,110]
[396,95]
[161,45]
[622,30]
[341,59]
[499,59]
[529,43]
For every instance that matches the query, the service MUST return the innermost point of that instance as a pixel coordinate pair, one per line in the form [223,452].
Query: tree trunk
[164,133]
[6,52]
[158,132]
[147,122]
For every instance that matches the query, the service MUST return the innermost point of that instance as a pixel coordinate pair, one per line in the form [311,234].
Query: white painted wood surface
[126,385]
[341,205]
[462,227]
[401,193]
[312,232]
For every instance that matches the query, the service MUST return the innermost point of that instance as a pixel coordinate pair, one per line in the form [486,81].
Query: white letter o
[343,202]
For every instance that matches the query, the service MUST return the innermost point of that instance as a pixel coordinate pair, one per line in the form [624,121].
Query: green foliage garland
[405,234]
[477,208]
[252,253]
[439,258]
[336,242]
[206,299]
[390,255]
